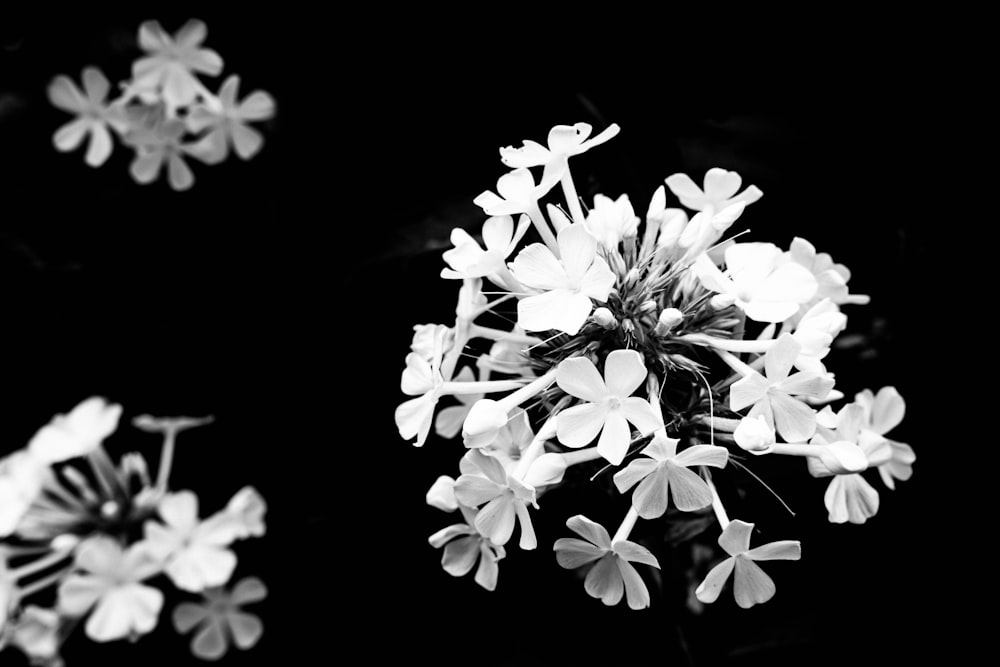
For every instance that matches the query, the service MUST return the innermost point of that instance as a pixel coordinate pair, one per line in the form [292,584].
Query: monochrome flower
[77,433]
[171,63]
[518,194]
[567,284]
[612,575]
[609,405]
[93,115]
[883,412]
[109,581]
[815,332]
[831,278]
[227,123]
[611,220]
[158,145]
[36,634]
[666,473]
[484,481]
[772,396]
[751,585]
[720,187]
[564,141]
[22,478]
[467,259]
[219,619]
[463,544]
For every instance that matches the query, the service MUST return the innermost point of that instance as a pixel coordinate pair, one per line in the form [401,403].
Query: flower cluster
[164,112]
[108,540]
[660,351]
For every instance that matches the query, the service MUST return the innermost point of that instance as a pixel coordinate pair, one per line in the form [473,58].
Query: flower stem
[529,390]
[43,583]
[542,226]
[734,363]
[628,523]
[729,344]
[477,331]
[531,452]
[795,450]
[43,563]
[166,459]
[572,199]
[581,456]
[720,511]
[491,386]
[720,423]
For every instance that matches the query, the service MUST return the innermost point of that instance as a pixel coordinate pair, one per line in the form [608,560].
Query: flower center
[614,402]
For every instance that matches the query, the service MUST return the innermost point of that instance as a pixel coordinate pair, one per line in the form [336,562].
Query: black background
[278,295]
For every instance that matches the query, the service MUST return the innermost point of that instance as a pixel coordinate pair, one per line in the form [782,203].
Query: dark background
[278,295]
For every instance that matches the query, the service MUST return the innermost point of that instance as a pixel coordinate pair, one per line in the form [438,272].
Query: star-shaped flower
[485,481]
[831,278]
[110,578]
[771,396]
[220,618]
[611,220]
[609,405]
[564,141]
[36,633]
[158,144]
[751,585]
[463,544]
[666,473]
[94,116]
[172,62]
[227,124]
[518,194]
[468,260]
[567,284]
[883,412]
[719,191]
[758,280]
[613,573]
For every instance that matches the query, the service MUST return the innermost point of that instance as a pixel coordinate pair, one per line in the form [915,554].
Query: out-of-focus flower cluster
[653,353]
[86,540]
[165,112]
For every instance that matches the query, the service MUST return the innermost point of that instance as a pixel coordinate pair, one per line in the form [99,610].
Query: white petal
[811,384]
[498,232]
[793,419]
[751,585]
[642,414]
[124,610]
[442,494]
[779,359]
[624,372]
[449,420]
[572,553]
[689,491]
[414,417]
[488,570]
[545,470]
[496,519]
[782,550]
[482,425]
[685,189]
[789,282]
[69,136]
[708,591]
[537,267]
[99,148]
[246,140]
[888,410]
[650,497]
[850,498]
[604,580]
[579,377]
[635,553]
[448,533]
[187,615]
[528,540]
[747,391]
[598,280]
[473,490]
[258,105]
[198,567]
[246,629]
[578,250]
[210,642]
[721,184]
[179,174]
[146,167]
[615,438]
[635,590]
[460,555]
[633,473]
[769,311]
[579,425]
[516,186]
[589,530]
[703,455]
[529,154]
[735,539]
[64,94]
[563,139]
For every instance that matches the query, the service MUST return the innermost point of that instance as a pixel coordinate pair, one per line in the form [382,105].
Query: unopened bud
[669,319]
[720,301]
[605,318]
[754,435]
[647,306]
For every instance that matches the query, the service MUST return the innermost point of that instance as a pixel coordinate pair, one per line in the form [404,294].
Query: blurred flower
[22,478]
[609,405]
[518,194]
[194,552]
[751,585]
[219,619]
[883,412]
[77,433]
[460,555]
[172,61]
[110,579]
[94,116]
[613,573]
[36,633]
[227,125]
[157,145]
[719,191]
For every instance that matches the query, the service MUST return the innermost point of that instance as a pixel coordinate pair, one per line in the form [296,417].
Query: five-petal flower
[485,481]
[719,192]
[613,573]
[463,544]
[467,259]
[171,62]
[220,618]
[564,141]
[883,412]
[94,116]
[77,433]
[751,585]
[227,124]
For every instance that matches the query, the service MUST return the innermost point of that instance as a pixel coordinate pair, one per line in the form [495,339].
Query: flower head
[751,585]
[463,543]
[36,633]
[485,481]
[227,125]
[564,141]
[613,573]
[170,67]
[612,220]
[719,192]
[609,405]
[219,619]
[77,433]
[882,413]
[93,115]
[468,259]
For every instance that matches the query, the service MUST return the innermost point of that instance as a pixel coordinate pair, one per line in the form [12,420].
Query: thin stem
[572,199]
[720,423]
[542,226]
[43,563]
[44,582]
[166,458]
[720,511]
[729,344]
[628,523]
[102,471]
[491,386]
[531,452]
[528,391]
[734,363]
[478,331]
[581,456]
[796,450]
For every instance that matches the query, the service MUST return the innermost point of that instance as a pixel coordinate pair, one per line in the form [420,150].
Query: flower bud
[442,494]
[483,423]
[669,318]
[754,435]
[605,318]
[720,301]
[546,469]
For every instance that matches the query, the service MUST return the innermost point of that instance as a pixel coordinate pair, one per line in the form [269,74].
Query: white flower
[564,142]
[754,434]
[22,478]
[611,220]
[243,516]
[815,332]
[665,470]
[94,116]
[484,480]
[449,420]
[518,194]
[460,555]
[831,278]
[882,413]
[220,618]
[77,433]
[849,497]
[228,123]
[568,284]
[758,280]
[610,405]
[421,378]
[169,68]
[468,260]
[719,192]
[111,580]
[195,552]
[771,396]
[36,633]
[751,585]
[613,573]
[430,341]
[159,145]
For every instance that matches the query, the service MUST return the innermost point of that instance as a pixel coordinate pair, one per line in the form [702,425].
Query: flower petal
[721,184]
[635,553]
[124,610]
[187,615]
[64,94]
[735,539]
[460,555]
[751,584]
[651,497]
[888,410]
[589,530]
[179,174]
[146,166]
[781,357]
[615,437]
[636,592]
[248,591]
[747,391]
[579,425]
[488,570]
[442,494]
[199,566]
[686,191]
[258,105]
[793,419]
[210,643]
[579,377]
[95,85]
[807,383]
[781,550]
[415,416]
[633,473]
[180,510]
[496,519]
[703,455]
[448,533]
[559,309]
[69,136]
[709,589]
[689,491]
[604,580]
[473,490]
[99,148]
[529,154]
[537,267]
[851,498]
[598,280]
[624,372]
[528,540]
[572,553]
[246,629]
[577,250]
